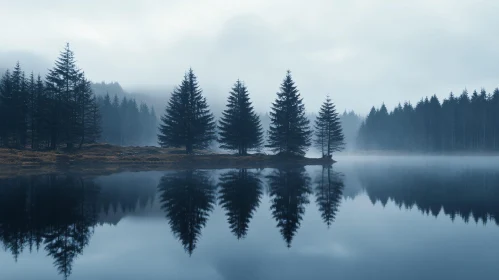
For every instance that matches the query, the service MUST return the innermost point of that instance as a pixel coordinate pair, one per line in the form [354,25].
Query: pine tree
[240,127]
[62,82]
[289,131]
[6,108]
[187,120]
[328,131]
[20,107]
[41,114]
[33,110]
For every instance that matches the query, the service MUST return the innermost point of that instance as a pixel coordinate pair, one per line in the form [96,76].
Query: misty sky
[361,52]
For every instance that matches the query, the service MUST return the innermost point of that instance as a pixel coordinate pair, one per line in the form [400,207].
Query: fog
[362,52]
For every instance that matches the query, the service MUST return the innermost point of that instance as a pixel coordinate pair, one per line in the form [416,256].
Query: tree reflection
[289,191]
[187,198]
[466,193]
[329,192]
[240,194]
[56,211]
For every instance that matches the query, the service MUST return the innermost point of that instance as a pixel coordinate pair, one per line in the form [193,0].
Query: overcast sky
[361,52]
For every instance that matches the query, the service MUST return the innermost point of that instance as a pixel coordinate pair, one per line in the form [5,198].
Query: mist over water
[421,217]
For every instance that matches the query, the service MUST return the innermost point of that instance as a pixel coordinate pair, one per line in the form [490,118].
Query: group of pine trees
[126,123]
[460,123]
[60,110]
[188,122]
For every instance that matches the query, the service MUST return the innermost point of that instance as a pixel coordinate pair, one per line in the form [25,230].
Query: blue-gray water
[366,218]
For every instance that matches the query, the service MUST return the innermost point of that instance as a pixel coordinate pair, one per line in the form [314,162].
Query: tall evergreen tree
[240,127]
[41,115]
[187,121]
[6,108]
[20,107]
[62,82]
[328,131]
[289,131]
[72,101]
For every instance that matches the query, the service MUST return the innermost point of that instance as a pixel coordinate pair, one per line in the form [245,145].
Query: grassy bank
[104,156]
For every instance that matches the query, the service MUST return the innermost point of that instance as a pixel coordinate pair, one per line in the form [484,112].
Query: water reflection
[289,191]
[240,194]
[58,213]
[468,193]
[187,198]
[53,212]
[329,192]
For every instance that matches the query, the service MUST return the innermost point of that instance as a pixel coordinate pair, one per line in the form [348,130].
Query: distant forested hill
[153,98]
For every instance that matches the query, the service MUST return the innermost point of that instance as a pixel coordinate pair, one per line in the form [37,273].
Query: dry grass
[107,157]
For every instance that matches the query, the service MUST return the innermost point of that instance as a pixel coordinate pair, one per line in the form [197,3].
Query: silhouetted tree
[240,127]
[328,131]
[187,197]
[329,193]
[289,131]
[289,191]
[187,121]
[240,194]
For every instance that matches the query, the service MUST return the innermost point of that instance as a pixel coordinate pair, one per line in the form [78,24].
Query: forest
[457,124]
[62,111]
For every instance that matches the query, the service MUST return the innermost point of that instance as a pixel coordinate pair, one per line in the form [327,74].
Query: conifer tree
[6,108]
[328,131]
[62,82]
[240,127]
[20,107]
[41,114]
[187,121]
[72,99]
[32,109]
[289,131]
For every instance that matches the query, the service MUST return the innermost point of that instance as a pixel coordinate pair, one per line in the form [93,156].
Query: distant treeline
[461,123]
[126,123]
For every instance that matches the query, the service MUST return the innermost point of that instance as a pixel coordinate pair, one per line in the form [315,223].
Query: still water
[374,218]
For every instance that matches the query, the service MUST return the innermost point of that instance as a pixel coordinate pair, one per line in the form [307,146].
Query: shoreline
[108,157]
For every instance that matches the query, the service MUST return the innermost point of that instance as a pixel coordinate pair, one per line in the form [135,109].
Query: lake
[363,218]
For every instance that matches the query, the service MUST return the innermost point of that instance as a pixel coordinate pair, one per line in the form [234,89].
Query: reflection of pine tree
[57,211]
[240,193]
[187,197]
[289,190]
[13,215]
[73,214]
[329,191]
